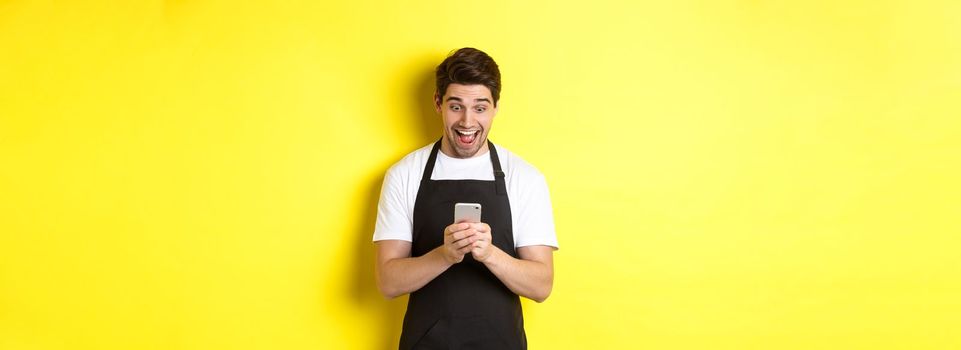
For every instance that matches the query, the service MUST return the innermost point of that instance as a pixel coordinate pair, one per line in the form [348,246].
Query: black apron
[465,307]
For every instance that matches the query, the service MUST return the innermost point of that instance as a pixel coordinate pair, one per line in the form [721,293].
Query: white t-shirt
[531,214]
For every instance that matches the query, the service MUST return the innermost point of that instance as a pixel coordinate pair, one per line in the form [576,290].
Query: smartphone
[467,212]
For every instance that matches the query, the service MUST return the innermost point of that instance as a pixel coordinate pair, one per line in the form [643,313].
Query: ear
[437,98]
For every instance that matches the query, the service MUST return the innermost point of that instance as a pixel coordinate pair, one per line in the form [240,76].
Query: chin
[469,152]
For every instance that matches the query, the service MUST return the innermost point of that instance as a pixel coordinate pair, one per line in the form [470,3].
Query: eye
[480,109]
[455,108]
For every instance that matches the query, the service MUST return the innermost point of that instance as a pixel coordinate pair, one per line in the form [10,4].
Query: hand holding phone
[457,240]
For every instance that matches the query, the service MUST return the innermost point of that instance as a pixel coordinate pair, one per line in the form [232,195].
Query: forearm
[400,276]
[531,279]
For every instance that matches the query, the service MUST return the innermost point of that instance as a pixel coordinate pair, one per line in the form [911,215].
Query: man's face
[467,111]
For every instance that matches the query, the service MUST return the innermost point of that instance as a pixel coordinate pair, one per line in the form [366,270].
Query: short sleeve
[393,221]
[535,222]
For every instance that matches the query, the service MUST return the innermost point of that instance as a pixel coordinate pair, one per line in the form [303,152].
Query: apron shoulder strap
[499,183]
[429,168]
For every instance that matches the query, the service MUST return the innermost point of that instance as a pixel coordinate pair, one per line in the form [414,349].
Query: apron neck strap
[499,184]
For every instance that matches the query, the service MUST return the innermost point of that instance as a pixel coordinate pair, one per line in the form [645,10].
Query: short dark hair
[469,66]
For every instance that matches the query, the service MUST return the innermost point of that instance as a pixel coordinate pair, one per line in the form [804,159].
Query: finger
[480,226]
[485,236]
[452,228]
[464,242]
[466,249]
[456,239]
[462,234]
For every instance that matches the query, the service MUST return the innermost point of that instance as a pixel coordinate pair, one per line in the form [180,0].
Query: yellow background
[724,174]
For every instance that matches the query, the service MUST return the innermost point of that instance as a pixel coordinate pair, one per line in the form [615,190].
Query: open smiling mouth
[466,137]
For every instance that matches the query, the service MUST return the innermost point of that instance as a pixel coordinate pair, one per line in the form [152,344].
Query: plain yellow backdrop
[724,174]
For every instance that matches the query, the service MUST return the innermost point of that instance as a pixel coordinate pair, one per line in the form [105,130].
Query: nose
[468,120]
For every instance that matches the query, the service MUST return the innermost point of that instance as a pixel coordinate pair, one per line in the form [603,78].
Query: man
[465,278]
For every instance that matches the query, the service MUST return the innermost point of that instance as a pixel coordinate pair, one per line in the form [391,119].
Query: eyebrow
[458,99]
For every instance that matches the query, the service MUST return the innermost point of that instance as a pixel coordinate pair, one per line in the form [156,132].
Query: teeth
[466,133]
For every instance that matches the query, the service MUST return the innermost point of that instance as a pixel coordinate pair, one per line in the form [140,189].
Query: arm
[399,274]
[531,276]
